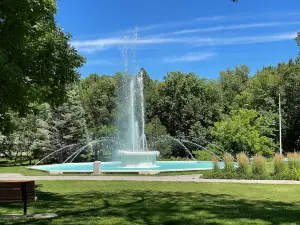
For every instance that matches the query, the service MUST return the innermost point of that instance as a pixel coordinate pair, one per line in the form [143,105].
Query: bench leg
[25,208]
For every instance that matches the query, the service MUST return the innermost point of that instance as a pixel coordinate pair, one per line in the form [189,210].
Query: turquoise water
[116,166]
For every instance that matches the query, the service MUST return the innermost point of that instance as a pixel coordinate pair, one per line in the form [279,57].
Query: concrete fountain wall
[138,159]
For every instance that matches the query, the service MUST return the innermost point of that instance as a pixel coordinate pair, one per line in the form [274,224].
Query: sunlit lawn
[119,202]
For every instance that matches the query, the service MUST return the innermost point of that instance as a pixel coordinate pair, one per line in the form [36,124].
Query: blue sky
[198,36]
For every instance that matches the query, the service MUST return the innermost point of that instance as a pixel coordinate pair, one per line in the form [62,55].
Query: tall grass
[259,165]
[243,163]
[228,161]
[215,162]
[294,164]
[279,164]
[293,160]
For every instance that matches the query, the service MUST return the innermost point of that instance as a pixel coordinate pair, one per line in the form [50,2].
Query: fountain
[131,124]
[133,154]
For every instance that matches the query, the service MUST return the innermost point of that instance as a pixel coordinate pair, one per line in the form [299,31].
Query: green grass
[22,170]
[120,202]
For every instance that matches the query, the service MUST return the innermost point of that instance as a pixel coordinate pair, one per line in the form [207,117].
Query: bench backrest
[17,191]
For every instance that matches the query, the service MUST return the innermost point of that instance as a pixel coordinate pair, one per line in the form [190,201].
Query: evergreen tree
[44,132]
[70,124]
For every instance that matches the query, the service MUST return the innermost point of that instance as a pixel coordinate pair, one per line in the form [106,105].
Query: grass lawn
[119,202]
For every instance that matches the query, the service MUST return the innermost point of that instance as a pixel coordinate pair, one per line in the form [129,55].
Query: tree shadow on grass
[154,207]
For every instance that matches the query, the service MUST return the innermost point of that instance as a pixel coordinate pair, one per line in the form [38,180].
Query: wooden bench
[18,191]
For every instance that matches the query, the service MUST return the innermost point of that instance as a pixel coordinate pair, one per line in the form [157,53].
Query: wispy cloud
[233,27]
[176,24]
[102,44]
[154,29]
[248,39]
[212,19]
[190,57]
[119,41]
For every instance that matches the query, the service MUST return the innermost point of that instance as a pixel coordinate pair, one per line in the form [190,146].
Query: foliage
[98,96]
[215,162]
[279,164]
[233,82]
[245,130]
[228,163]
[70,124]
[37,61]
[202,155]
[185,99]
[293,160]
[156,134]
[155,129]
[151,96]
[200,134]
[259,165]
[290,101]
[243,163]
[294,165]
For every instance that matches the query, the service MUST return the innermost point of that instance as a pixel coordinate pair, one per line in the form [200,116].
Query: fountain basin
[138,159]
[115,167]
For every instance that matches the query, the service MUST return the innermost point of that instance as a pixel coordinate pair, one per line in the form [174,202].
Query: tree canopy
[245,131]
[36,59]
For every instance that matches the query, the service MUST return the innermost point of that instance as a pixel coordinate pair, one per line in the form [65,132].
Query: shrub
[284,175]
[228,161]
[259,166]
[215,162]
[279,164]
[296,174]
[294,165]
[293,160]
[202,155]
[243,163]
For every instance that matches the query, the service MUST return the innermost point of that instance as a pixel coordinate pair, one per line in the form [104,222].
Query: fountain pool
[161,166]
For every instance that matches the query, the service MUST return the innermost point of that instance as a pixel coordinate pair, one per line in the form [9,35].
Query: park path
[177,178]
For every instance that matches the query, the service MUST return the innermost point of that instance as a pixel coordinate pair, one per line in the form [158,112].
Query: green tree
[199,134]
[155,129]
[19,143]
[185,99]
[98,95]
[262,94]
[70,124]
[233,82]
[262,91]
[37,61]
[150,96]
[43,141]
[245,131]
[157,136]
[290,105]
